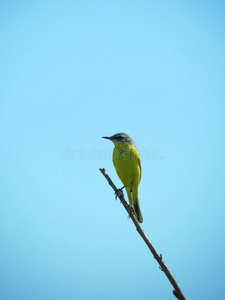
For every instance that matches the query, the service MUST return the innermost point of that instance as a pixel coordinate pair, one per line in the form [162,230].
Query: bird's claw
[119,191]
[131,209]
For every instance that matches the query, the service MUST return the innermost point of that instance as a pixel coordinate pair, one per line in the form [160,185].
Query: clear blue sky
[72,72]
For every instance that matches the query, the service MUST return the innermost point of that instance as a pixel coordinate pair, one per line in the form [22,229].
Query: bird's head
[120,138]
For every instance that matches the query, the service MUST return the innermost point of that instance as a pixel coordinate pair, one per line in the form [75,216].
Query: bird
[126,160]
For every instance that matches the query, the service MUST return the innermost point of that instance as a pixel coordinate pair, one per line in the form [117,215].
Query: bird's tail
[137,211]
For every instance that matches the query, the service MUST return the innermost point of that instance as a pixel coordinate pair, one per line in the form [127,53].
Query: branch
[177,291]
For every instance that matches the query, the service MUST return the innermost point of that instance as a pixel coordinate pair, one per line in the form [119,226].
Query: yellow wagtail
[127,163]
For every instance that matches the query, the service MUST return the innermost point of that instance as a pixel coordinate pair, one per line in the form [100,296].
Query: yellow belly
[126,162]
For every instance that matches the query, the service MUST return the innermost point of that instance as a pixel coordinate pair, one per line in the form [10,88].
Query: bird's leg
[119,191]
[131,198]
[131,202]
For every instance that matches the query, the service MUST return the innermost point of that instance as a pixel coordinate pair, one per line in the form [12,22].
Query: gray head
[121,138]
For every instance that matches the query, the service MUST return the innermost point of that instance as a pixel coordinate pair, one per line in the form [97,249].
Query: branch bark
[177,292]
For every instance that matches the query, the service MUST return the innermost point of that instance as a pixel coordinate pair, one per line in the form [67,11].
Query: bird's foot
[131,209]
[119,191]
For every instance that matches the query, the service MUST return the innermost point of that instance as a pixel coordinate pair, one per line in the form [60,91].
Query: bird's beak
[106,137]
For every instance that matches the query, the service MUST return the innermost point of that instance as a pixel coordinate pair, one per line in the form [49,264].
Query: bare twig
[177,292]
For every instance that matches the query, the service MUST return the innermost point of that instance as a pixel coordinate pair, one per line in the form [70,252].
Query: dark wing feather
[139,163]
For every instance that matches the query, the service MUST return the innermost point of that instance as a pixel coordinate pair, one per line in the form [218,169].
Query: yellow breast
[127,163]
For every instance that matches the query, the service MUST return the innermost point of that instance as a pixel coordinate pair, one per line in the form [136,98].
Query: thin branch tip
[102,170]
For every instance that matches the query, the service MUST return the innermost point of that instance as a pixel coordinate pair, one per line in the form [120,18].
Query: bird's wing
[139,163]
